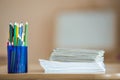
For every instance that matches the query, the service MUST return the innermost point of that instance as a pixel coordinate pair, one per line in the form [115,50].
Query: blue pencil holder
[17,59]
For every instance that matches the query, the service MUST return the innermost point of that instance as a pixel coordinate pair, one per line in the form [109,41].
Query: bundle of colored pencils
[18,34]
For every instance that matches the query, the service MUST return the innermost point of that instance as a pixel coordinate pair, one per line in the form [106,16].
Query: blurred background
[90,24]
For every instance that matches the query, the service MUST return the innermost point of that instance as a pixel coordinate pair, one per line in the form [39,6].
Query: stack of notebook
[74,61]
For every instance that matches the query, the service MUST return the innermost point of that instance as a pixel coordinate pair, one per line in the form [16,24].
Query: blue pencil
[20,33]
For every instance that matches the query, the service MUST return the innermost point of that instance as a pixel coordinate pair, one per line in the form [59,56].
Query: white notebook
[72,67]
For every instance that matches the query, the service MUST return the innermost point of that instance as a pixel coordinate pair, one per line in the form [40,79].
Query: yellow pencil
[17,32]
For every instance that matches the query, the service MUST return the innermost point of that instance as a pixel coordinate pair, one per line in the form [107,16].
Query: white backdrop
[86,29]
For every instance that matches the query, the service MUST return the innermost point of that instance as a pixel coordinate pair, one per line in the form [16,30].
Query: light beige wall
[41,16]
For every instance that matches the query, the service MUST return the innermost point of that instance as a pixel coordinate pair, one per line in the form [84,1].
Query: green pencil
[15,34]
[11,33]
[26,34]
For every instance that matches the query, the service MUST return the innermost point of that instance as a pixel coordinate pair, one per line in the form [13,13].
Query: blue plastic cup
[17,59]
